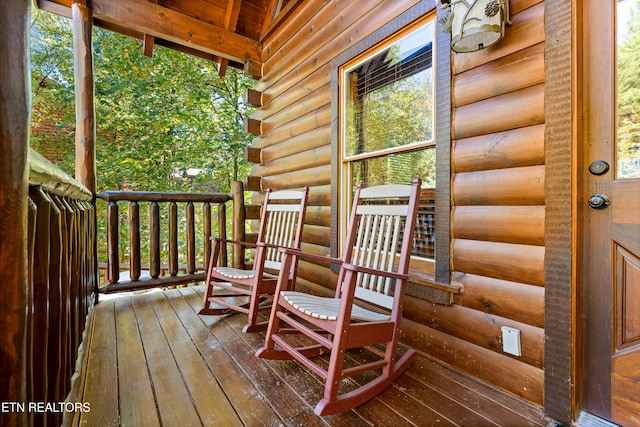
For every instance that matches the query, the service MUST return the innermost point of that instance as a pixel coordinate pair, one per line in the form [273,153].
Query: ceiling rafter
[231,17]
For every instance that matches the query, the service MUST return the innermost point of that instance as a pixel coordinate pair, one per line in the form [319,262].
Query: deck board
[207,395]
[137,403]
[172,396]
[101,383]
[251,405]
[286,403]
[154,361]
[299,379]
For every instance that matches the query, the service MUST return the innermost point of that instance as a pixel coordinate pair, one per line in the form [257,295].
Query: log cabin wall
[497,182]
[498,208]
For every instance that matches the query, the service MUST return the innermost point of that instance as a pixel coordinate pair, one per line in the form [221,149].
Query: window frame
[404,23]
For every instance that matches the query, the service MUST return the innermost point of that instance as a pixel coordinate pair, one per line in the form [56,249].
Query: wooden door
[610,208]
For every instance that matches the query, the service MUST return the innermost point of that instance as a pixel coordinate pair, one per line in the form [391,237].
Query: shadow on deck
[152,360]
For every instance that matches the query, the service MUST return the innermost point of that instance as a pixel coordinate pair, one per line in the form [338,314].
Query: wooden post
[85,109]
[82,25]
[238,220]
[15,107]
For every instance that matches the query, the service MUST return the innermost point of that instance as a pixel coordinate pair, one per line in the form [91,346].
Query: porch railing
[62,278]
[170,235]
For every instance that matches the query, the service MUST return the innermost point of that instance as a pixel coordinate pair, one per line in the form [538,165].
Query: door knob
[599,201]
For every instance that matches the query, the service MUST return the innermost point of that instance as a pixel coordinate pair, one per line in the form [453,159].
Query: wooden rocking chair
[367,307]
[281,225]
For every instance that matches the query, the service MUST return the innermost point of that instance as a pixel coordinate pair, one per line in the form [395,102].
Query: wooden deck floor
[153,360]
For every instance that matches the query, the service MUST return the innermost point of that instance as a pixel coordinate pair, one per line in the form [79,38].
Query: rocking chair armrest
[235,242]
[365,270]
[307,255]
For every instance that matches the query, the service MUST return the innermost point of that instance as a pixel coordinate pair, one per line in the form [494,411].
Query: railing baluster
[74,286]
[206,234]
[55,301]
[40,297]
[134,240]
[113,261]
[73,230]
[31,326]
[173,239]
[154,246]
[222,232]
[84,267]
[191,239]
[65,362]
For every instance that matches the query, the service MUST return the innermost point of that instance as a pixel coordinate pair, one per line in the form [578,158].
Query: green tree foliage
[629,95]
[159,120]
[397,114]
[166,123]
[53,112]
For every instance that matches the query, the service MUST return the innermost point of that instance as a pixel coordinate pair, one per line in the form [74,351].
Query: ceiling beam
[230,22]
[164,23]
[56,8]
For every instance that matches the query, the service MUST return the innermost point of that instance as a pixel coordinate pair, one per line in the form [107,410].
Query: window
[386,132]
[391,109]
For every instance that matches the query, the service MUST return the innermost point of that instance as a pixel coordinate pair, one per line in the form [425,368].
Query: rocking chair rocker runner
[281,225]
[367,308]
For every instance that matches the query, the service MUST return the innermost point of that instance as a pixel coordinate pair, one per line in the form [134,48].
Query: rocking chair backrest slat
[381,216]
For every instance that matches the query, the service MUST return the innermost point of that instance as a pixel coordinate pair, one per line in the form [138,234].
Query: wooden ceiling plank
[271,12]
[232,15]
[164,23]
[230,22]
[280,14]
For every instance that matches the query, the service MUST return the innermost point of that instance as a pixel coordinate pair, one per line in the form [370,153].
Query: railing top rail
[53,179]
[153,196]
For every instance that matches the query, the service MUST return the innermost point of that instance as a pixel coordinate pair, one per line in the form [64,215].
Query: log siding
[498,205]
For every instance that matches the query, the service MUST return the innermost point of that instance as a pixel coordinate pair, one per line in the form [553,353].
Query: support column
[85,109]
[15,107]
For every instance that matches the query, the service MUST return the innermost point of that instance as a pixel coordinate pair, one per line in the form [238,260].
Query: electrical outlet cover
[511,340]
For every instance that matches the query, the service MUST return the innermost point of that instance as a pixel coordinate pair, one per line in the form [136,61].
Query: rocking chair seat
[236,273]
[328,308]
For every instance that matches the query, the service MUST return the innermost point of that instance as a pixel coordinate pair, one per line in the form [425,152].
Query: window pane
[402,169]
[396,169]
[389,98]
[628,92]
